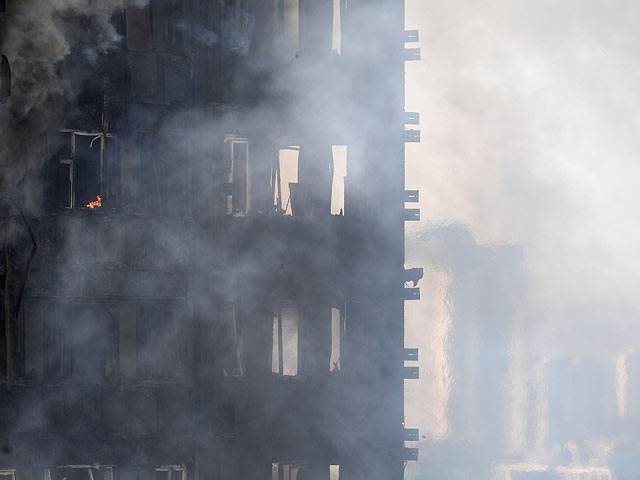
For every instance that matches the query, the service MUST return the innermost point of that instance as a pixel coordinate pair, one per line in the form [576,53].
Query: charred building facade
[192,286]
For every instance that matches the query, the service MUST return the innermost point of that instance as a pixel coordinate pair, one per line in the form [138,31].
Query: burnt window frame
[231,207]
[174,472]
[278,344]
[62,350]
[146,322]
[72,162]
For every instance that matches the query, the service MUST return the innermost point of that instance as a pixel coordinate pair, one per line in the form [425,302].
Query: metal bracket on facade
[411,373]
[412,294]
[411,435]
[411,136]
[410,355]
[412,118]
[410,453]
[412,214]
[411,54]
[411,36]
[413,275]
[412,196]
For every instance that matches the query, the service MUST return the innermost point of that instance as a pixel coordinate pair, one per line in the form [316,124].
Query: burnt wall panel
[138,25]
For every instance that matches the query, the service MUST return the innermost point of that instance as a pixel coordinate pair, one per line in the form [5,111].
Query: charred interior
[203,256]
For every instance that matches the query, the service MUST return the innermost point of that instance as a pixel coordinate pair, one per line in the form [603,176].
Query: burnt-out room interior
[203,213]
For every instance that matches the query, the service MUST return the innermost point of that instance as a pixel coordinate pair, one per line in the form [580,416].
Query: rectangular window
[171,472]
[286,178]
[339,174]
[79,472]
[239,181]
[289,22]
[91,343]
[54,340]
[167,24]
[138,25]
[8,474]
[77,170]
[336,339]
[127,340]
[336,39]
[334,472]
[284,360]
[79,342]
[160,343]
[233,361]
[286,471]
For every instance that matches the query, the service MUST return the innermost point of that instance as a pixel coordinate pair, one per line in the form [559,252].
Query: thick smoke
[295,95]
[39,36]
[530,141]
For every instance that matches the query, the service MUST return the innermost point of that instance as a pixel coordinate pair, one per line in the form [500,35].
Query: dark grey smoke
[38,38]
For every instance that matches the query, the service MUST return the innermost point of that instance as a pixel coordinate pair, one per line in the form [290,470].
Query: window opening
[339,174]
[138,27]
[286,179]
[8,474]
[78,169]
[159,343]
[233,361]
[239,181]
[91,342]
[165,24]
[336,339]
[79,342]
[171,472]
[291,27]
[334,472]
[79,472]
[284,360]
[285,471]
[244,26]
[336,38]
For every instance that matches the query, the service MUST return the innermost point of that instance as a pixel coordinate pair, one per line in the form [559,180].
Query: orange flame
[95,203]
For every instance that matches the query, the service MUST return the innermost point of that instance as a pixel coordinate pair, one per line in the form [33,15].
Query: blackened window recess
[3,341]
[240,177]
[54,340]
[60,169]
[166,27]
[91,342]
[239,181]
[138,26]
[5,79]
[159,343]
[77,165]
[79,342]
[3,6]
[88,168]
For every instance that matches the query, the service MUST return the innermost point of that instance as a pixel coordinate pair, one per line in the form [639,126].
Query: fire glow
[95,203]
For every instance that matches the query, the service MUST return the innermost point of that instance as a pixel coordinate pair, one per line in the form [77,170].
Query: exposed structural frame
[203,314]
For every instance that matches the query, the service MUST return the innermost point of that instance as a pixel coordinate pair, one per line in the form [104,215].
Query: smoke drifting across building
[178,298]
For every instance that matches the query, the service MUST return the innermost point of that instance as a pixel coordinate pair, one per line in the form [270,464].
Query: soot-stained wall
[166,312]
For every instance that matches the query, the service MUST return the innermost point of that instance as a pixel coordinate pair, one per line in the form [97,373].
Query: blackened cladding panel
[138,24]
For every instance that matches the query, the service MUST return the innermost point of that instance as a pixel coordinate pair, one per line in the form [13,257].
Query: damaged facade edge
[194,308]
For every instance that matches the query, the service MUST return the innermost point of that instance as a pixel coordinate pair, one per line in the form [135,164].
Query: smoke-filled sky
[529,119]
